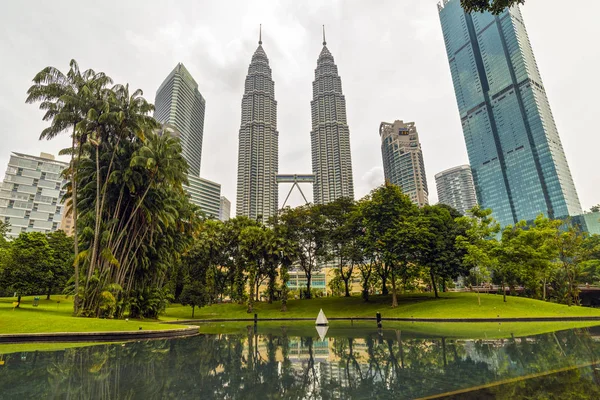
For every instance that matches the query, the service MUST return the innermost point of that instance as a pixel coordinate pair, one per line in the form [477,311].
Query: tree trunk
[308,294]
[384,289]
[193,309]
[504,290]
[48,294]
[96,241]
[251,279]
[394,294]
[544,290]
[347,286]
[74,213]
[284,289]
[18,301]
[433,284]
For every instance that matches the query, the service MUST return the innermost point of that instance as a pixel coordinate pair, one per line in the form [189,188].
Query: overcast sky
[390,55]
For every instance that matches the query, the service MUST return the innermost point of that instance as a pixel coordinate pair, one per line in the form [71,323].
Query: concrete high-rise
[258,157]
[330,135]
[179,104]
[205,194]
[225,209]
[31,194]
[403,163]
[518,162]
[456,189]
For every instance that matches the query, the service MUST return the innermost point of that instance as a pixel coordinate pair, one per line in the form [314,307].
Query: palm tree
[66,100]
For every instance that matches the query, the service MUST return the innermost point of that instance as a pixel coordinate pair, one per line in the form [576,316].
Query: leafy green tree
[304,230]
[513,254]
[29,264]
[572,253]
[233,257]
[66,100]
[363,252]
[480,243]
[595,208]
[193,294]
[391,229]
[3,230]
[342,227]
[494,6]
[287,256]
[61,267]
[438,249]
[539,254]
[252,247]
[591,267]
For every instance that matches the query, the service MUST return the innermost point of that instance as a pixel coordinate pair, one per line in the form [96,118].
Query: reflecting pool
[286,363]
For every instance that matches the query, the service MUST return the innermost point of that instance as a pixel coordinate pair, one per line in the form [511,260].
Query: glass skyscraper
[179,104]
[518,162]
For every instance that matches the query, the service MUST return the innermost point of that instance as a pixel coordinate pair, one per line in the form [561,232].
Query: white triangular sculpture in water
[322,331]
[322,319]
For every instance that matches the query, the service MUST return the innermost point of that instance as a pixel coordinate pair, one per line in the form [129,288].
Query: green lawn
[52,316]
[450,305]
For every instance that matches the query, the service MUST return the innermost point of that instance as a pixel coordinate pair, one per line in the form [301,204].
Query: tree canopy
[494,6]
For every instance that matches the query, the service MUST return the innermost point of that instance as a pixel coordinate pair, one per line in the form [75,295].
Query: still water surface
[279,364]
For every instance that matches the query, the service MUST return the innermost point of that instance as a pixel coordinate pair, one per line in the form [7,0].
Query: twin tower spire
[258,156]
[260,35]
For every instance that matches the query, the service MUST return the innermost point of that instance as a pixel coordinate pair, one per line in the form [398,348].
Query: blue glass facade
[518,162]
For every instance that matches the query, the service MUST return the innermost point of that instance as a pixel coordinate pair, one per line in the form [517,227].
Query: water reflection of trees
[280,366]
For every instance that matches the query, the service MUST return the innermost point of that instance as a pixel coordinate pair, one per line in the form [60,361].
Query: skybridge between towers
[295,180]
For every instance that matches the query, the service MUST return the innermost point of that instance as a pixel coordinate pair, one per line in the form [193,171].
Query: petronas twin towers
[258,158]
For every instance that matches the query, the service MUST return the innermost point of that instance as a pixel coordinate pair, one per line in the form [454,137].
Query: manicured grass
[450,330]
[450,305]
[52,316]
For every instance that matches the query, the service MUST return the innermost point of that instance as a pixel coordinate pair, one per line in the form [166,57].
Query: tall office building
[179,104]
[224,209]
[31,194]
[258,158]
[456,189]
[518,162]
[205,194]
[330,136]
[403,160]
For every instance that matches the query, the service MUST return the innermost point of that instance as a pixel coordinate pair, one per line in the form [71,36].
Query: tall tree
[494,6]
[28,265]
[438,250]
[539,255]
[61,265]
[342,225]
[512,252]
[479,242]
[572,252]
[252,247]
[66,100]
[305,230]
[391,229]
